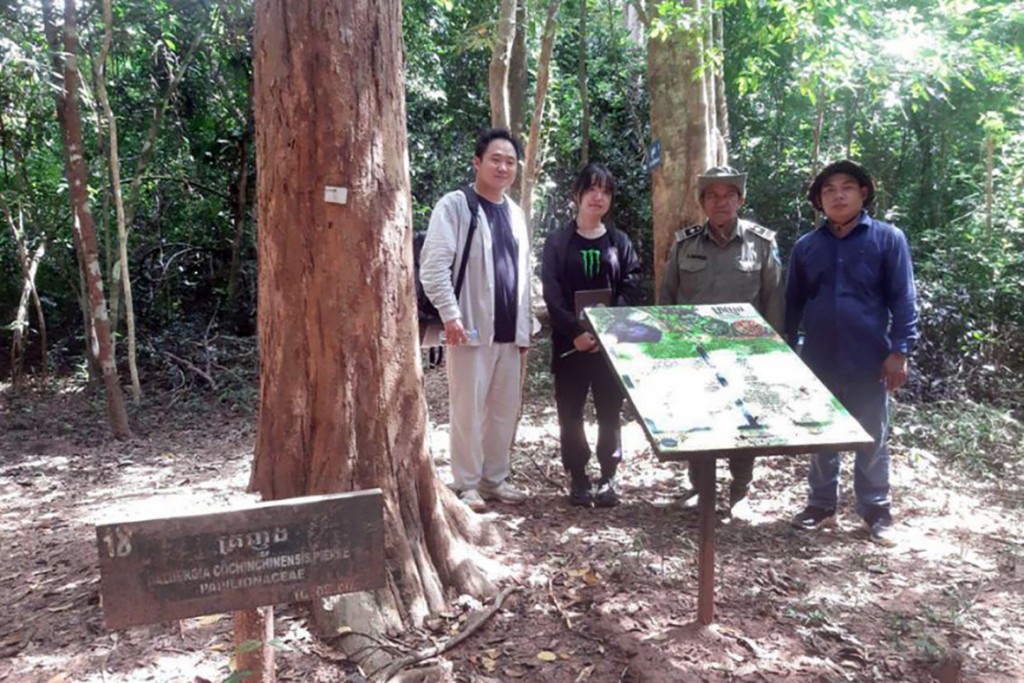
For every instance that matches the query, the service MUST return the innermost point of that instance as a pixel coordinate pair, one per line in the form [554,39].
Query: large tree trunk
[341,403]
[679,120]
[497,72]
[531,166]
[84,230]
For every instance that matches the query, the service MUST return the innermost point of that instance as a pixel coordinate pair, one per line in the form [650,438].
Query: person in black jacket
[585,254]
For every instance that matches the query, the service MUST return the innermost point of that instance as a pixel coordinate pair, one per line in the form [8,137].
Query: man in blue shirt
[851,283]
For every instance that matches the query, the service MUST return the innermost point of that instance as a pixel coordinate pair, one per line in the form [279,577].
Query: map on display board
[717,380]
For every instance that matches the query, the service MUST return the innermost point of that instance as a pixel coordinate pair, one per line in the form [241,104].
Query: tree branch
[474,624]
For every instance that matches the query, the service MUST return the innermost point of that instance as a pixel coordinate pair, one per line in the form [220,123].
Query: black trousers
[741,467]
[576,376]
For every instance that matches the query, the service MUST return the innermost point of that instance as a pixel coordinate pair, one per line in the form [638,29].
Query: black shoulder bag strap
[474,206]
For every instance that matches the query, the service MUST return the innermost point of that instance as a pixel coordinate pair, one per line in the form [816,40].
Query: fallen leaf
[489,664]
[585,673]
[547,656]
[210,619]
[513,672]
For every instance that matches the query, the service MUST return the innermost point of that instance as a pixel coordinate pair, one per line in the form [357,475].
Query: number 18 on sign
[296,549]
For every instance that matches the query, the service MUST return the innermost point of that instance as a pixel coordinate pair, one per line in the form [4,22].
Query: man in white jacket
[487,328]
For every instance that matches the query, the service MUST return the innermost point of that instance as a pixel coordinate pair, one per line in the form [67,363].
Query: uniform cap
[848,167]
[722,174]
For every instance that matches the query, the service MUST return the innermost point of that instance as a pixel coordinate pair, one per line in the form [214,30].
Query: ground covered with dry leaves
[601,595]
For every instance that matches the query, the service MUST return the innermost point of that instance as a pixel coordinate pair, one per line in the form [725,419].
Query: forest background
[927,95]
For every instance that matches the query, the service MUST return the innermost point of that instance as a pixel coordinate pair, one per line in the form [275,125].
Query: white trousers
[483,402]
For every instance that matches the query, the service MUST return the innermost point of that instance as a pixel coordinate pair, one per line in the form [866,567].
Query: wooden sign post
[290,550]
[715,381]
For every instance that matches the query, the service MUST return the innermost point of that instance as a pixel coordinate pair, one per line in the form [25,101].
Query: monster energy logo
[591,261]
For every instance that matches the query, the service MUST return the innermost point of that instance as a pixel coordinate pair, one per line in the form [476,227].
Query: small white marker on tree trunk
[335,195]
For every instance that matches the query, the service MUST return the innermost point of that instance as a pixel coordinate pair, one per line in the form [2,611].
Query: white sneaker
[503,492]
[472,499]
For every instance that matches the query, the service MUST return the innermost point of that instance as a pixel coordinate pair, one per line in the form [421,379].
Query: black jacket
[561,302]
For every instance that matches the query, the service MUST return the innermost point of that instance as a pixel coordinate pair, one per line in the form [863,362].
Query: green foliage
[983,440]
[913,92]
[446,95]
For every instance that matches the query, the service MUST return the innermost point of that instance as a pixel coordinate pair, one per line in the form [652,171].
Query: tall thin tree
[584,95]
[84,231]
[531,164]
[501,54]
[115,181]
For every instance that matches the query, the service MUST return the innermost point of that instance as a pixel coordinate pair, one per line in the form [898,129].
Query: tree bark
[84,230]
[819,120]
[115,181]
[707,74]
[721,102]
[28,293]
[517,75]
[241,200]
[531,165]
[497,72]
[28,270]
[584,96]
[679,121]
[341,402]
[990,146]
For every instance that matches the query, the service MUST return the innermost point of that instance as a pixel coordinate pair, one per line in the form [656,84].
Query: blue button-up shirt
[855,297]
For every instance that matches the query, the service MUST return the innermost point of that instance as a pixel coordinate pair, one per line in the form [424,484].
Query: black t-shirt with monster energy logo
[589,264]
[573,263]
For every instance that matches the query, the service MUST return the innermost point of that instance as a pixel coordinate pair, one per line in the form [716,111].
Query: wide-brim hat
[848,167]
[722,174]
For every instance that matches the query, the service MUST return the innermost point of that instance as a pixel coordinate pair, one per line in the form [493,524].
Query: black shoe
[813,518]
[879,523]
[579,492]
[690,497]
[737,493]
[606,496]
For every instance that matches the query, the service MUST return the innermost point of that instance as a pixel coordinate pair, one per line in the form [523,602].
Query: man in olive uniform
[725,260]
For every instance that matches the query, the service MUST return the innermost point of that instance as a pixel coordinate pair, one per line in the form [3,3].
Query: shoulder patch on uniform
[683,234]
[760,231]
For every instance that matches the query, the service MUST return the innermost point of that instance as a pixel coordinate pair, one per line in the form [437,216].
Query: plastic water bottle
[472,335]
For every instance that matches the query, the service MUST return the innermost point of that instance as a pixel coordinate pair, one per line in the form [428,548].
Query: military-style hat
[843,166]
[722,174]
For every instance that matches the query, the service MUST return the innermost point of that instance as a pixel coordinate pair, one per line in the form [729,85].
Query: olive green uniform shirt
[745,270]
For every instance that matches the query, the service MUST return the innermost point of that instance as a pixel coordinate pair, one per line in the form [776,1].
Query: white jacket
[442,254]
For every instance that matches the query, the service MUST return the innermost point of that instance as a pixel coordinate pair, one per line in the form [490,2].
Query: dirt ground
[602,595]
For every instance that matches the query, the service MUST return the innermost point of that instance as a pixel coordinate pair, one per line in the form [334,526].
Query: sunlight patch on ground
[157,505]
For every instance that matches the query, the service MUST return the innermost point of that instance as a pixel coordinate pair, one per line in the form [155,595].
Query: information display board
[716,380]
